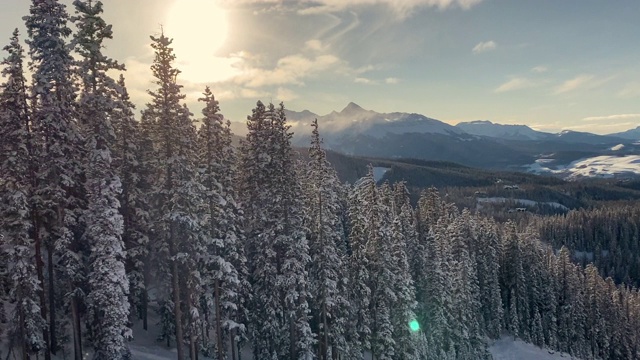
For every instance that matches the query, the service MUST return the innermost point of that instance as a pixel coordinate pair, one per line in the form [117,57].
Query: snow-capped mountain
[353,119]
[361,132]
[506,132]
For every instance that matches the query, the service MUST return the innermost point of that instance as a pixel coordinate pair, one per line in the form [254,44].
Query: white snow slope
[599,166]
[508,349]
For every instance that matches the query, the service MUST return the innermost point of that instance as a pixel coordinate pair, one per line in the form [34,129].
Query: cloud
[284,94]
[599,128]
[392,80]
[539,69]
[362,80]
[630,90]
[612,117]
[584,82]
[289,70]
[484,46]
[315,45]
[401,8]
[515,84]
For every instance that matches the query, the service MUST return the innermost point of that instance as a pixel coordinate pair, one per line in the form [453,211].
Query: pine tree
[512,280]
[328,282]
[277,246]
[108,283]
[359,295]
[403,310]
[488,259]
[57,198]
[223,275]
[15,213]
[134,205]
[177,194]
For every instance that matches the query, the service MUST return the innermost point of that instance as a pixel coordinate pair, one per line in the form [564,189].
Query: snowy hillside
[508,349]
[599,166]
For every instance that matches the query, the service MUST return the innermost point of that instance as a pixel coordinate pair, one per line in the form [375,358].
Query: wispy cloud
[582,82]
[363,80]
[392,80]
[515,84]
[402,9]
[600,128]
[315,45]
[630,90]
[289,70]
[284,94]
[539,69]
[484,46]
[612,117]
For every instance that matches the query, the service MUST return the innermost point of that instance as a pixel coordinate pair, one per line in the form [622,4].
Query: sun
[199,28]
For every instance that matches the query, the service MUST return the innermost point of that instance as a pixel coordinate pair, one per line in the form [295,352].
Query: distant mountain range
[361,132]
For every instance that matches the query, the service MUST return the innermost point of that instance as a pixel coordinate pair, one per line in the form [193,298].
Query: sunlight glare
[199,28]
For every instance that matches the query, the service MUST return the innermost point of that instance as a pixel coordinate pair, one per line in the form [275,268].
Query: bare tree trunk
[40,272]
[52,300]
[145,305]
[234,348]
[193,350]
[325,330]
[77,332]
[175,284]
[292,339]
[21,332]
[218,320]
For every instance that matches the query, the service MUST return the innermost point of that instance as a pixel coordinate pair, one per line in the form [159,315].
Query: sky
[552,65]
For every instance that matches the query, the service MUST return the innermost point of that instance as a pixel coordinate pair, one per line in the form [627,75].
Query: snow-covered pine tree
[327,275]
[383,295]
[15,215]
[512,280]
[59,152]
[439,324]
[277,247]
[434,284]
[178,197]
[359,294]
[488,260]
[108,284]
[403,310]
[224,283]
[134,206]
[149,212]
[465,290]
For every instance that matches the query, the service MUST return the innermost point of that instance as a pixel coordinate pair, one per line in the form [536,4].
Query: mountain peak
[480,122]
[352,108]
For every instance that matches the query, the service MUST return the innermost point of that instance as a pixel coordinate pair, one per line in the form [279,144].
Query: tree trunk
[292,339]
[21,333]
[193,351]
[145,305]
[175,284]
[40,271]
[77,332]
[52,300]
[325,331]
[234,347]
[218,320]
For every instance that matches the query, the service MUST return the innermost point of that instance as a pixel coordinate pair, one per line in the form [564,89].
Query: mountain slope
[509,132]
[355,119]
[631,134]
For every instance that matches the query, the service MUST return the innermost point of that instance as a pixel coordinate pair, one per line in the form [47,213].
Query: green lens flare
[413,325]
